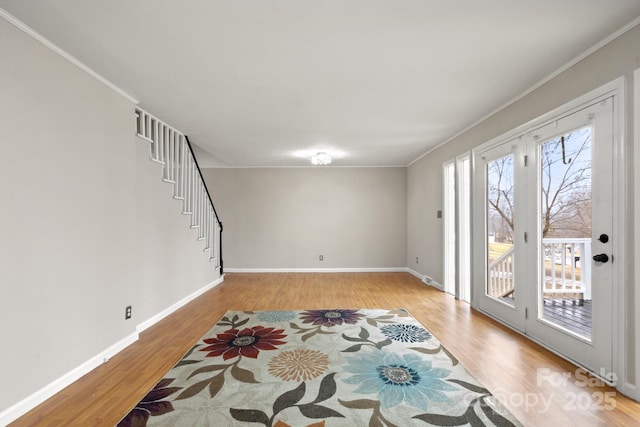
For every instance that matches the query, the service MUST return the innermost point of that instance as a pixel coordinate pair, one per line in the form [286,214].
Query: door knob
[601,258]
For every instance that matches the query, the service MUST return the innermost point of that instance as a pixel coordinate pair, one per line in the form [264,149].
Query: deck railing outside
[567,270]
[500,283]
[567,267]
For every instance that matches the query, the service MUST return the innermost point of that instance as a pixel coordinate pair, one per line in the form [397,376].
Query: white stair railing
[173,151]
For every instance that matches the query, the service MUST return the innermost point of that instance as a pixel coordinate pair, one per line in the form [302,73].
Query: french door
[499,232]
[543,208]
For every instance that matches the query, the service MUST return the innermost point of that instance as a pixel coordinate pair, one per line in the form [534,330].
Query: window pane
[565,227]
[500,198]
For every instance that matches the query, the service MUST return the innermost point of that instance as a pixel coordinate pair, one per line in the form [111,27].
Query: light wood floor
[509,365]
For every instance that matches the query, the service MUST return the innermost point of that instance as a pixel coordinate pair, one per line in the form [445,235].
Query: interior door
[569,182]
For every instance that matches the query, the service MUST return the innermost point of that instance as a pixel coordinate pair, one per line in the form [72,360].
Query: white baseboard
[317,270]
[429,281]
[415,273]
[19,409]
[25,405]
[426,279]
[631,391]
[184,301]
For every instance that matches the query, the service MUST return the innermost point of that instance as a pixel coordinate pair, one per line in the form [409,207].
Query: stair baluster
[172,149]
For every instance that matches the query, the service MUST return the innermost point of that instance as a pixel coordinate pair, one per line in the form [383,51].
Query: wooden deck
[569,314]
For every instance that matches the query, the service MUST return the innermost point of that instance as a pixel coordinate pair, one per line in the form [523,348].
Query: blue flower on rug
[276,316]
[398,379]
[405,333]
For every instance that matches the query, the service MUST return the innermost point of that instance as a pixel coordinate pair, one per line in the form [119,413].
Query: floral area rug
[317,368]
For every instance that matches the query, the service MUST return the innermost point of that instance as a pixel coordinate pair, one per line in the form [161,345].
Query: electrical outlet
[127,312]
[321,257]
[439,214]
[416,260]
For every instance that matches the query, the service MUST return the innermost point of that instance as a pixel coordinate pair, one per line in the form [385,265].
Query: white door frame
[456,216]
[511,315]
[463,227]
[449,217]
[632,385]
[620,218]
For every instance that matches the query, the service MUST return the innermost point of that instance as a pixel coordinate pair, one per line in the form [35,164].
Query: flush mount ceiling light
[320,159]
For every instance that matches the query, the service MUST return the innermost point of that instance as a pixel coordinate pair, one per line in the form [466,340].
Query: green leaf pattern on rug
[243,375]
[290,399]
[234,322]
[185,360]
[377,419]
[309,332]
[389,317]
[216,382]
[363,340]
[437,350]
[469,417]
[482,403]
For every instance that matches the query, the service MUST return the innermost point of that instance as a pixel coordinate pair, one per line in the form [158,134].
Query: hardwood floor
[527,378]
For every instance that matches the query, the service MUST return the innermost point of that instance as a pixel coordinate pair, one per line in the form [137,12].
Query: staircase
[173,151]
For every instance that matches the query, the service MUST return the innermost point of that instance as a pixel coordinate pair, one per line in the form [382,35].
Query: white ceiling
[377,83]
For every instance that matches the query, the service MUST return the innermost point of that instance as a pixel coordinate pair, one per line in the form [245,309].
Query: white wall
[424,177]
[170,262]
[87,227]
[285,217]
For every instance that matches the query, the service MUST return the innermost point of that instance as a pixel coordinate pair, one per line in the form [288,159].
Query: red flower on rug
[331,317]
[247,342]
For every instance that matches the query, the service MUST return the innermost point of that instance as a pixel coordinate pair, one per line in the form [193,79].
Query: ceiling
[372,82]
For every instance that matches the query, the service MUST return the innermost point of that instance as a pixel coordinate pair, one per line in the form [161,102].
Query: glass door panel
[564,285]
[500,225]
[497,241]
[570,186]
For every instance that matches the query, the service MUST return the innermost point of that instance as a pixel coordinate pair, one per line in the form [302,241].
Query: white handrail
[502,257]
